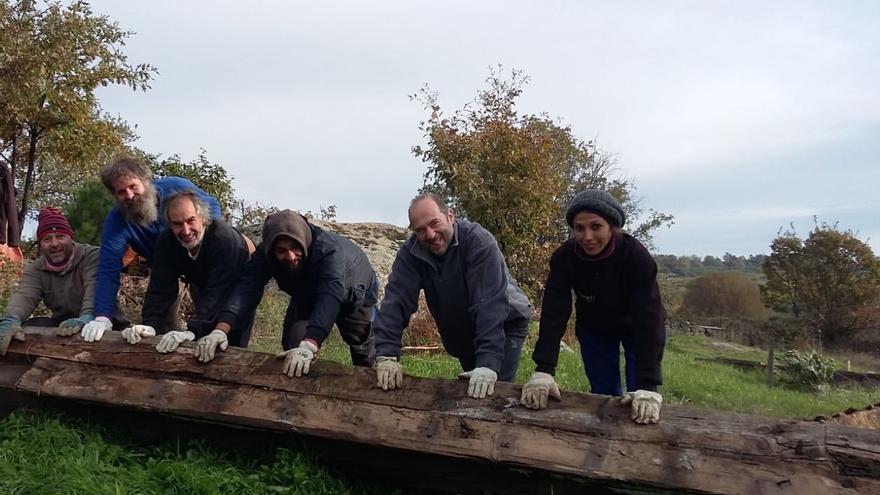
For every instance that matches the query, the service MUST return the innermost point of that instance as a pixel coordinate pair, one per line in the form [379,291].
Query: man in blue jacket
[134,222]
[481,315]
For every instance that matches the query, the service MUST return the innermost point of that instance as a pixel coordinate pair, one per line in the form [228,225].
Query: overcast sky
[736,117]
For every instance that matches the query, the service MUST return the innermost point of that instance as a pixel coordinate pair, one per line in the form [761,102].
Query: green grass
[50,454]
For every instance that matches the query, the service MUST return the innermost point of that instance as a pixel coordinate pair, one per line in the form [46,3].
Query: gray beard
[144,210]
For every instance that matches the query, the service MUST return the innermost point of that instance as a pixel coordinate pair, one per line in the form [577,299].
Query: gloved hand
[645,405]
[72,326]
[10,327]
[94,330]
[207,345]
[482,382]
[136,333]
[171,340]
[536,391]
[298,359]
[389,373]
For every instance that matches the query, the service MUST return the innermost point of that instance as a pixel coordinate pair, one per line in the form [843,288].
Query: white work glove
[171,340]
[645,405]
[94,330]
[298,359]
[207,345]
[389,373]
[136,333]
[72,326]
[482,382]
[539,387]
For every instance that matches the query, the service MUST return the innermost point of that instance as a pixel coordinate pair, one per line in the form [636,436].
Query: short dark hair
[444,208]
[203,209]
[124,166]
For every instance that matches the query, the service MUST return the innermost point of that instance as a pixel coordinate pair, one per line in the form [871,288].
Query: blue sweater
[118,233]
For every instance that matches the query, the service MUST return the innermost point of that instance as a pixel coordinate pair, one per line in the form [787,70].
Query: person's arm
[486,278]
[27,295]
[164,285]
[400,302]
[247,292]
[555,312]
[647,315]
[89,272]
[225,259]
[329,294]
[114,240]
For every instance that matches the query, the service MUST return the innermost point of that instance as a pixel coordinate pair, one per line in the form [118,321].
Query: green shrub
[810,371]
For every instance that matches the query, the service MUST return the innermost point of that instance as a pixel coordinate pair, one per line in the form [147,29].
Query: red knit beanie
[51,221]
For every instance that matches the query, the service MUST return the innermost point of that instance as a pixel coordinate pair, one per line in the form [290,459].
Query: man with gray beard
[209,255]
[134,222]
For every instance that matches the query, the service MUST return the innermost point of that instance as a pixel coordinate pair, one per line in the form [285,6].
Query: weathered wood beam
[589,437]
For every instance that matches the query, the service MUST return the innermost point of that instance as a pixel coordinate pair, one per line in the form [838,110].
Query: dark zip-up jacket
[470,294]
[333,280]
[214,272]
[617,294]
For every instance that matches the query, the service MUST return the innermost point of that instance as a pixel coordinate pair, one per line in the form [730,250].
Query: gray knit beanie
[599,202]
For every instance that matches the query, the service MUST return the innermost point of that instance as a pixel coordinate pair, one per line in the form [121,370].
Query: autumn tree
[53,132]
[831,279]
[515,173]
[723,294]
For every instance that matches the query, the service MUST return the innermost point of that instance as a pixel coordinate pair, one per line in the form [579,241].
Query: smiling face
[432,227]
[56,248]
[137,199]
[591,232]
[288,252]
[186,223]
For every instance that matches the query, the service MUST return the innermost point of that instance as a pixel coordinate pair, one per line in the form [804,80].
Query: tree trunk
[29,177]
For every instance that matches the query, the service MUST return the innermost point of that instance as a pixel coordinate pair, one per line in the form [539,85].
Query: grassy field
[48,455]
[56,455]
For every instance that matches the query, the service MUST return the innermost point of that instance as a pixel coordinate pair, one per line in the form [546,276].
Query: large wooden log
[585,437]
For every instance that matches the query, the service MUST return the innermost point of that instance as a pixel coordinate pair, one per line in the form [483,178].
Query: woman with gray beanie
[614,280]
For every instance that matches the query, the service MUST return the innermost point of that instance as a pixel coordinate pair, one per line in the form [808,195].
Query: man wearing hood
[329,279]
[62,278]
[209,255]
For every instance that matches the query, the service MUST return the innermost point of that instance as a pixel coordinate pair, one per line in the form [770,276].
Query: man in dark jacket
[482,316]
[329,279]
[207,254]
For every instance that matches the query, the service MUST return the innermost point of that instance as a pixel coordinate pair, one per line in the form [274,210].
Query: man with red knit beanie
[63,278]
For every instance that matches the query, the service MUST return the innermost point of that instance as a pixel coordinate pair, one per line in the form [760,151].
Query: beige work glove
[389,373]
[172,340]
[645,405]
[298,359]
[482,382]
[94,330]
[539,387]
[136,333]
[207,345]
